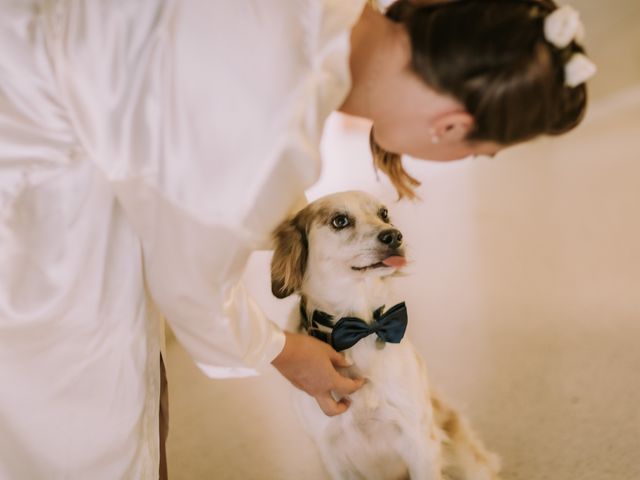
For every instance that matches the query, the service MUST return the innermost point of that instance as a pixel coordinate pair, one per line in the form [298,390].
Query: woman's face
[418,121]
[422,143]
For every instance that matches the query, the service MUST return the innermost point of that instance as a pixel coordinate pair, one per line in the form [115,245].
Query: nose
[391,237]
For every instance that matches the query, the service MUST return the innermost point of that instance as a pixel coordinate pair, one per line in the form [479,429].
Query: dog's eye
[384,214]
[340,221]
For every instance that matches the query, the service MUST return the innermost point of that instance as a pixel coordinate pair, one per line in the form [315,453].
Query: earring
[434,137]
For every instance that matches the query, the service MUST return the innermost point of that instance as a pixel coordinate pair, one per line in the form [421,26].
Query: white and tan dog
[339,254]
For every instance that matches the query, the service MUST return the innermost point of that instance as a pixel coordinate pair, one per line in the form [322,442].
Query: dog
[340,254]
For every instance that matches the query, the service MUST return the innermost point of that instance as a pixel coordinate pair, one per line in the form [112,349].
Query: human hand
[310,365]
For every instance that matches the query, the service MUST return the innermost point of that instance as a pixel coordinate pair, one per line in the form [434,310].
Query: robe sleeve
[190,111]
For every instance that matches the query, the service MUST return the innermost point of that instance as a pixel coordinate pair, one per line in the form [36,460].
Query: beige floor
[524,292]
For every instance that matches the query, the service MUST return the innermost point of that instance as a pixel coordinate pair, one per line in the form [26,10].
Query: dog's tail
[464,455]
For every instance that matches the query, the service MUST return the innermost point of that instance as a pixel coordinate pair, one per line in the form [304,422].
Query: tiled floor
[526,277]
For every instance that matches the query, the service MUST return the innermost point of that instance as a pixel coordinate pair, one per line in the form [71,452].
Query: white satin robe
[146,148]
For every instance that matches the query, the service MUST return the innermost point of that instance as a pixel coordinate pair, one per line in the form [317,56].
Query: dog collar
[346,332]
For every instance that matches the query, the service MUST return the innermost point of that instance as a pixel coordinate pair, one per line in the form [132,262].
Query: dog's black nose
[391,237]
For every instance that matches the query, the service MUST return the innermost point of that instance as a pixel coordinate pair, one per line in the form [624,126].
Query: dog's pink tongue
[395,261]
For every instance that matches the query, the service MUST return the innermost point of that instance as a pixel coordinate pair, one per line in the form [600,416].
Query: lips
[392,261]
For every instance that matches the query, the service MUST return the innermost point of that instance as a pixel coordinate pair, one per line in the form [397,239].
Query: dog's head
[345,234]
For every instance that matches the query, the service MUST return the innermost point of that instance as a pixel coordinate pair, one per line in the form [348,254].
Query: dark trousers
[164,421]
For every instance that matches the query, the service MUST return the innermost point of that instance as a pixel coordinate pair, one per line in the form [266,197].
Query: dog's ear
[289,260]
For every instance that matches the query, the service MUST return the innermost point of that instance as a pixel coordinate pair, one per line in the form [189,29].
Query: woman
[147,147]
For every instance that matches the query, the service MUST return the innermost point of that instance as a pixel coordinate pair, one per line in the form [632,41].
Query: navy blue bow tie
[389,327]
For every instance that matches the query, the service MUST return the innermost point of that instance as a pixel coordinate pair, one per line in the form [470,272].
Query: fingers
[339,360]
[341,384]
[346,386]
[310,365]
[330,407]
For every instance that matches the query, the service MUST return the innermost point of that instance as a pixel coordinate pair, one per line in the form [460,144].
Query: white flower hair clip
[561,27]
[578,70]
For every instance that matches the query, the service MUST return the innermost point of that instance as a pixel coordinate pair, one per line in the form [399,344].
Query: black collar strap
[347,331]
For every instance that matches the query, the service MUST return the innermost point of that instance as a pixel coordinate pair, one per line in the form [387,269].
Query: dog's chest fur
[394,392]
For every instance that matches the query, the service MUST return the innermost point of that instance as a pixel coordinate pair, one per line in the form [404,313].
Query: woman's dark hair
[491,56]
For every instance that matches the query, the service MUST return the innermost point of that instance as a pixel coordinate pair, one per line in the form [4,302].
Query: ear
[452,127]
[289,260]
